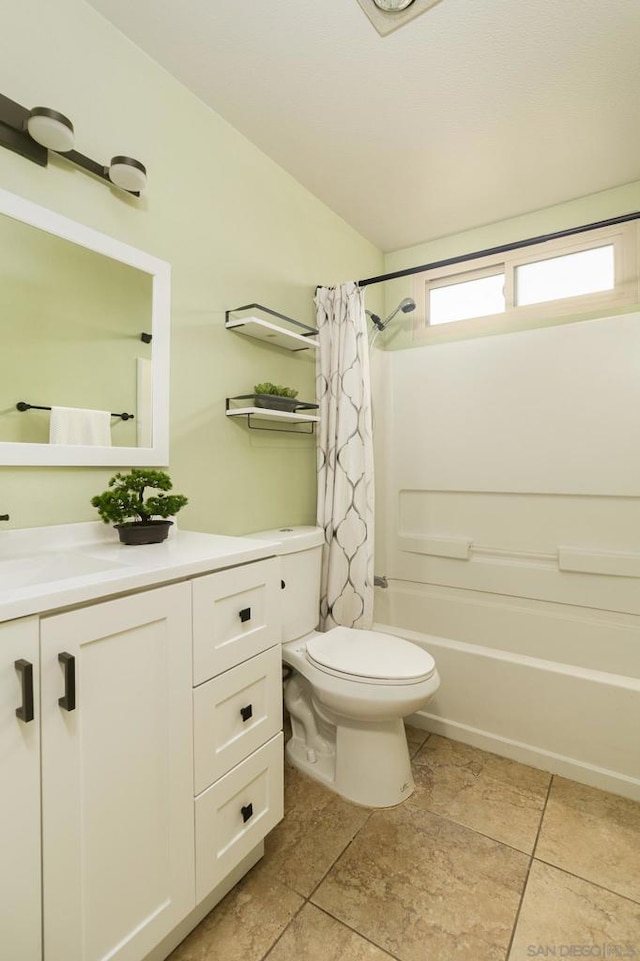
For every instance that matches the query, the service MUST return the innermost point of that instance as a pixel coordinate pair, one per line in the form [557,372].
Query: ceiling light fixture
[387,15]
[33,133]
[393,6]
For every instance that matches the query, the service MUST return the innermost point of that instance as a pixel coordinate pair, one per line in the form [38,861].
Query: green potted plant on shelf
[275,396]
[134,517]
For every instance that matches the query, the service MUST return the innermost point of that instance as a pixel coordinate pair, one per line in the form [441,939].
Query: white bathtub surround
[508,511]
[345,458]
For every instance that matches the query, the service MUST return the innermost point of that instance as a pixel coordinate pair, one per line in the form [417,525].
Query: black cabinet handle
[25,670]
[245,614]
[247,712]
[247,812]
[68,701]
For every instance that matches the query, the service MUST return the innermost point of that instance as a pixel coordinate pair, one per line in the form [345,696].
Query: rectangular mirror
[74,305]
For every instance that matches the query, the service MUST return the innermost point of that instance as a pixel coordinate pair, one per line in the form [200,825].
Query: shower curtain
[345,458]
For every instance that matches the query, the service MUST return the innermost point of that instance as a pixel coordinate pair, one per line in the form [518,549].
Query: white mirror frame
[67,455]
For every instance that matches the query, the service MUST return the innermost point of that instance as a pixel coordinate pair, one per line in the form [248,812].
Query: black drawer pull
[25,670]
[68,701]
[247,812]
[247,712]
[245,614]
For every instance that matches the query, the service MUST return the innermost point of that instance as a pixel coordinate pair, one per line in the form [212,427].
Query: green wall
[233,225]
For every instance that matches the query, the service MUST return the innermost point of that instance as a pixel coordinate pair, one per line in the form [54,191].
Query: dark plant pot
[149,532]
[276,402]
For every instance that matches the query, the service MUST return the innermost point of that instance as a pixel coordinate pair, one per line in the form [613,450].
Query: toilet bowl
[348,690]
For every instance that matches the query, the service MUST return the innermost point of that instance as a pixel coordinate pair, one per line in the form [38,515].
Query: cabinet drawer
[235,616]
[234,714]
[236,812]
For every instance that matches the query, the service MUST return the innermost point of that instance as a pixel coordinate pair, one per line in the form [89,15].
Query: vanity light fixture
[33,133]
[128,174]
[50,129]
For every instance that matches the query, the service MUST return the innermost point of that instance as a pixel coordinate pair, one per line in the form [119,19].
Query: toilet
[348,690]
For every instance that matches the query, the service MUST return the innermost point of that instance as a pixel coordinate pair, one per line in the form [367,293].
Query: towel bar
[22,406]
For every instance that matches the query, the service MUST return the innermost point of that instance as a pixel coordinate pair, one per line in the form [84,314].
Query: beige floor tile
[560,911]
[415,738]
[317,827]
[314,936]
[245,925]
[301,791]
[422,887]
[491,794]
[593,834]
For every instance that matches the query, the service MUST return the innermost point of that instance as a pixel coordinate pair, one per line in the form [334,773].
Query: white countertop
[114,567]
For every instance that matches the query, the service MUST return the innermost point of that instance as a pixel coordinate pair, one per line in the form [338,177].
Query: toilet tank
[300,555]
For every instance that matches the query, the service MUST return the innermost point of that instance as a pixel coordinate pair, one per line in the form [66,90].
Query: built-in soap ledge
[457,547]
[570,559]
[612,563]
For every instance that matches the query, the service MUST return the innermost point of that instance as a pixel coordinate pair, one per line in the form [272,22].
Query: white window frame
[626,291]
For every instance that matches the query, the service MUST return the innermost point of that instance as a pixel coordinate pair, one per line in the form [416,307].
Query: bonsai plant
[124,506]
[275,396]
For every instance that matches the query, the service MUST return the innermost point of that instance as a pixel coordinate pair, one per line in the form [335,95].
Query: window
[466,298]
[554,279]
[566,276]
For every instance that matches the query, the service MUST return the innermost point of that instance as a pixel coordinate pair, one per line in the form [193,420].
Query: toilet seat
[369,657]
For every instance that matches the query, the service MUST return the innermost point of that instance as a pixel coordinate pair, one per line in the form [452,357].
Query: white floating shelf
[271,333]
[263,413]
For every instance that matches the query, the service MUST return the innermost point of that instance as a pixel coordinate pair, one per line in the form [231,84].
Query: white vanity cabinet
[20,883]
[146,767]
[117,769]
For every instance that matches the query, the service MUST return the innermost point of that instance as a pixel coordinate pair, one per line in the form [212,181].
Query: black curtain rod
[502,249]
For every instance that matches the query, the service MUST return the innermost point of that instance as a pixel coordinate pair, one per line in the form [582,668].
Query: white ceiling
[475,111]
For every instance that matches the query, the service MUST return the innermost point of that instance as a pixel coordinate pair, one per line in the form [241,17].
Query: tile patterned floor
[489,860]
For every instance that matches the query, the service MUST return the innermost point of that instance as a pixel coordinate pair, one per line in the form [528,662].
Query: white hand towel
[73,425]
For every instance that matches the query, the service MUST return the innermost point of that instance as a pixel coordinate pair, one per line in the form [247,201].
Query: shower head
[406,306]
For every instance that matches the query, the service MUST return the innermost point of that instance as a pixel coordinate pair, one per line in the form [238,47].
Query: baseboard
[527,754]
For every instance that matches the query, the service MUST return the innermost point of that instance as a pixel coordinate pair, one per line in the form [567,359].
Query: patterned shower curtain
[345,458]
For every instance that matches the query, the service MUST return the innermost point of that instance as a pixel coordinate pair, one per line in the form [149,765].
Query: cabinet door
[20,911]
[117,775]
